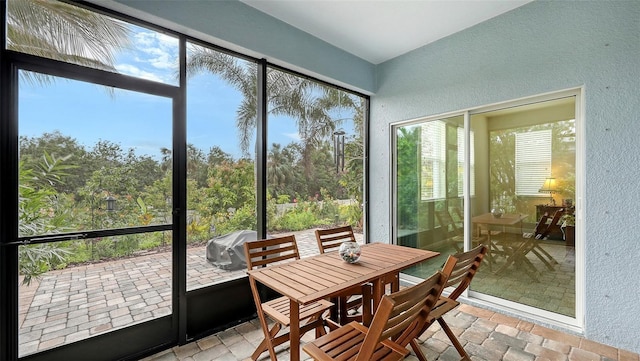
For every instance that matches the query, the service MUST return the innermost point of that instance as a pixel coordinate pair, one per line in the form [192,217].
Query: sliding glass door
[531,157]
[519,163]
[428,188]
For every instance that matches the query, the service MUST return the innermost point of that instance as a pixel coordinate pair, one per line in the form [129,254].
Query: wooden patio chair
[355,303]
[461,267]
[396,312]
[262,253]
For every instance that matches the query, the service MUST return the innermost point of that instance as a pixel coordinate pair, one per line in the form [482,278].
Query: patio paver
[485,337]
[78,302]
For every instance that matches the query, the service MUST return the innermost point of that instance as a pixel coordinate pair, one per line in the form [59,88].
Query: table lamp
[549,186]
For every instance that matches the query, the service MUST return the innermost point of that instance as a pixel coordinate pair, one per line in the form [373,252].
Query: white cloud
[133,70]
[158,50]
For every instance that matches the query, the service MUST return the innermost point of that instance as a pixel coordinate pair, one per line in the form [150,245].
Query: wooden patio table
[326,275]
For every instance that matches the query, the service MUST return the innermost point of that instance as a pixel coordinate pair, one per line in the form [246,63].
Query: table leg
[378,292]
[379,289]
[294,330]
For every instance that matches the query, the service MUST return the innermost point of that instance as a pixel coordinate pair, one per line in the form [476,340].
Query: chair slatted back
[460,268]
[399,310]
[541,226]
[328,239]
[465,269]
[554,222]
[266,251]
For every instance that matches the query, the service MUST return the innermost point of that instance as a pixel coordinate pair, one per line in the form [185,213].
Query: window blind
[533,161]
[433,151]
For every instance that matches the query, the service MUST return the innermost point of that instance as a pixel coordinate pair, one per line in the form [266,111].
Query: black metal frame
[195,313]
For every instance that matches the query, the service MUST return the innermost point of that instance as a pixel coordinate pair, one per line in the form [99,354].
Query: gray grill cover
[227,252]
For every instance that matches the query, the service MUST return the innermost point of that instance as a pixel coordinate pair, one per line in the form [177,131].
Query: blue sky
[90,113]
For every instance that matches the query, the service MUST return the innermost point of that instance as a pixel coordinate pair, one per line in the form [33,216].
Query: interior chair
[355,303]
[542,231]
[483,232]
[518,249]
[262,253]
[455,234]
[452,232]
[396,312]
[461,267]
[530,242]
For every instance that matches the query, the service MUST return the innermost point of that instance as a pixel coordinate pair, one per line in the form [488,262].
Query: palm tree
[64,32]
[306,101]
[60,31]
[279,170]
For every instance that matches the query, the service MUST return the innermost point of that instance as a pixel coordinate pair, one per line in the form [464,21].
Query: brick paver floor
[485,335]
[78,302]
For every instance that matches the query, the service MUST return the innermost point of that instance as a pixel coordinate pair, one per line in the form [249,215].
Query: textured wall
[239,27]
[538,48]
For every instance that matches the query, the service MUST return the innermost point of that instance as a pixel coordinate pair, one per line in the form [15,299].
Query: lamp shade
[549,186]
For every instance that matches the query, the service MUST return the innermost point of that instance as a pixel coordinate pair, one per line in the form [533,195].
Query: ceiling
[379,30]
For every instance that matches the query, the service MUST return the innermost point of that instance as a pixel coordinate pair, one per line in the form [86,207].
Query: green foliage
[352,214]
[39,212]
[242,218]
[408,139]
[197,230]
[298,218]
[35,260]
[221,190]
[568,219]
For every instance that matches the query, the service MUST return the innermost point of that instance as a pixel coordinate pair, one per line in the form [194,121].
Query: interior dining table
[502,223]
[327,275]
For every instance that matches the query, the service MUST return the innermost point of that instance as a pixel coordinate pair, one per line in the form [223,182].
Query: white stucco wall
[539,48]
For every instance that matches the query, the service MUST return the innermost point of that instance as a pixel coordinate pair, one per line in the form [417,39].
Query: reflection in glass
[522,165]
[527,146]
[429,160]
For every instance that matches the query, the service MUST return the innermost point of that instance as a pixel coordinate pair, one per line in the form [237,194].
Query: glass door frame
[150,334]
[573,324]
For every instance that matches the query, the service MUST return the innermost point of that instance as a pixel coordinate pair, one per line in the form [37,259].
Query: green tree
[308,102]
[60,147]
[217,156]
[230,196]
[39,212]
[280,164]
